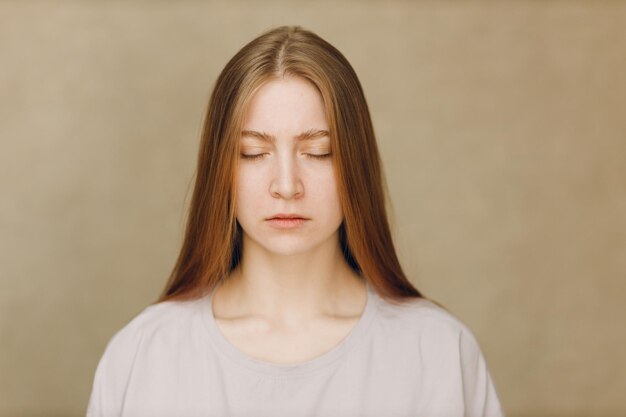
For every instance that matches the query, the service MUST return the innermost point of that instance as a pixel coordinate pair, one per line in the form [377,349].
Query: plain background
[502,130]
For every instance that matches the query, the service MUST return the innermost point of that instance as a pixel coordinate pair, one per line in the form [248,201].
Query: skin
[293,296]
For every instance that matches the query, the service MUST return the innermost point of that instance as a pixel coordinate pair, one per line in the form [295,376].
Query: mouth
[284,221]
[287,217]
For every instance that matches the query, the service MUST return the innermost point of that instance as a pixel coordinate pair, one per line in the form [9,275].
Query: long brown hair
[212,244]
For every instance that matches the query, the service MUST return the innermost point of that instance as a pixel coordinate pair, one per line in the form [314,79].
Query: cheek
[249,190]
[327,193]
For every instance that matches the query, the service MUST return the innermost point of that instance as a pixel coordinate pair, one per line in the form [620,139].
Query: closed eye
[320,156]
[253,157]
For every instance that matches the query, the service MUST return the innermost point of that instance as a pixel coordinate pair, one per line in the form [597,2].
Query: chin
[288,245]
[288,248]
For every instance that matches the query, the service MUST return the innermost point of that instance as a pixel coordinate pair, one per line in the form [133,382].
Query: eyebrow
[308,135]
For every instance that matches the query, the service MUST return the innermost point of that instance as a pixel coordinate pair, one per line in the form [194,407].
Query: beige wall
[502,128]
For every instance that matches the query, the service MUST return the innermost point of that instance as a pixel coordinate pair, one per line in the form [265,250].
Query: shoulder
[442,350]
[159,317]
[164,320]
[422,317]
[153,333]
[422,330]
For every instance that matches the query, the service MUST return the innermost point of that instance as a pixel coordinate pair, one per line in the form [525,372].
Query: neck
[294,288]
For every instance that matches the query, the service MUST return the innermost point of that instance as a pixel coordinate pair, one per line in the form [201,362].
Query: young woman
[287,298]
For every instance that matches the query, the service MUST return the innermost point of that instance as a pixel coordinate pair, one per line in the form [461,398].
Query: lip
[287,223]
[279,216]
[287,220]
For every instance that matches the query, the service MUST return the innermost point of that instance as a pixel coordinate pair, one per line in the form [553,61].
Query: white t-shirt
[172,360]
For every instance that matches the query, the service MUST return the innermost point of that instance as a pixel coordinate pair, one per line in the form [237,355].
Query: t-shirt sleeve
[481,399]
[113,373]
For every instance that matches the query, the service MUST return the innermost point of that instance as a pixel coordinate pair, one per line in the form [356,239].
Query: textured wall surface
[502,128]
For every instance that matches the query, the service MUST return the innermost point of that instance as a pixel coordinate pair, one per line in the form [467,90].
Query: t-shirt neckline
[334,355]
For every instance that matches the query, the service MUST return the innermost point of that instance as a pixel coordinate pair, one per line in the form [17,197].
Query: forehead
[289,106]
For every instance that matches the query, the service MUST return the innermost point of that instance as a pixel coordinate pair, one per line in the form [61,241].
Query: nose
[286,182]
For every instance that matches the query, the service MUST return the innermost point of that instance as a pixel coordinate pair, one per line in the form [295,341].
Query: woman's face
[285,168]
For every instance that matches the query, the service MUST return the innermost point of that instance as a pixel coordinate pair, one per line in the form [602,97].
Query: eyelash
[260,155]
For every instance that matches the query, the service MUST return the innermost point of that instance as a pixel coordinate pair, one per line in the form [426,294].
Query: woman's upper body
[414,359]
[287,297]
